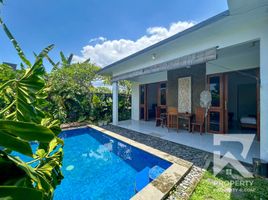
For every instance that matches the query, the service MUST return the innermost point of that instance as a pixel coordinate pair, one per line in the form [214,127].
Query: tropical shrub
[101,107]
[25,172]
[124,107]
[73,97]
[6,74]
[70,91]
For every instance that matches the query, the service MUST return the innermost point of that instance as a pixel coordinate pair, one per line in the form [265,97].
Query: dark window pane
[142,113]
[214,83]
[142,95]
[163,85]
[163,96]
[214,123]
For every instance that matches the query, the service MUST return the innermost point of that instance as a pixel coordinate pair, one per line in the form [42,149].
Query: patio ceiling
[184,61]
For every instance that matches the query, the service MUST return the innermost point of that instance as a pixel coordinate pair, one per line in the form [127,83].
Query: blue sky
[105,30]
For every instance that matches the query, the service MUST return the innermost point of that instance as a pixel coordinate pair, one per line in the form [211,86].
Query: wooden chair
[172,118]
[160,119]
[199,119]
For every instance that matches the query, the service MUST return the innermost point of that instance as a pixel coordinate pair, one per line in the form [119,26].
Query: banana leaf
[19,193]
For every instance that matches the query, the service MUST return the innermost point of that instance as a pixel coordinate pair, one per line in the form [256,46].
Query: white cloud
[98,40]
[105,51]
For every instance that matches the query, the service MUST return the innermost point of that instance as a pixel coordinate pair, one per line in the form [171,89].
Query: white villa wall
[238,6]
[235,81]
[264,95]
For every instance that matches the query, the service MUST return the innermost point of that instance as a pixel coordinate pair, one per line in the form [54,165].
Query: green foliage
[79,75]
[71,103]
[65,61]
[22,122]
[124,107]
[70,91]
[6,74]
[220,187]
[73,97]
[103,90]
[101,107]
[27,94]
[125,87]
[15,44]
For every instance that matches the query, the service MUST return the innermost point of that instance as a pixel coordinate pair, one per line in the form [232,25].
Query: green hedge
[92,107]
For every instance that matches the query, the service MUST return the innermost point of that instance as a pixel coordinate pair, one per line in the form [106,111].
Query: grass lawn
[230,187]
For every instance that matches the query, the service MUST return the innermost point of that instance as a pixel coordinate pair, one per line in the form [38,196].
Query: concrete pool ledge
[73,128]
[161,186]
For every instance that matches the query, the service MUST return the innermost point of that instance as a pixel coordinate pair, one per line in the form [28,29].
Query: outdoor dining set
[172,119]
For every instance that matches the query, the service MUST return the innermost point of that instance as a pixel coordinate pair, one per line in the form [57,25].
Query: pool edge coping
[162,185]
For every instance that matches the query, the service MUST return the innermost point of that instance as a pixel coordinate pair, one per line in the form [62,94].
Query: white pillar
[115,103]
[264,97]
[135,101]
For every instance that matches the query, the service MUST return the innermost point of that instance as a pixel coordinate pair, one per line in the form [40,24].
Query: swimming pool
[98,166]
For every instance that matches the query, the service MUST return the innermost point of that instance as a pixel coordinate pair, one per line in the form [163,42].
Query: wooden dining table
[173,120]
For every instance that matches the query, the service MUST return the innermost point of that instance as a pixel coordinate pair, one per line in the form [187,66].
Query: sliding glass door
[218,114]
[162,96]
[143,102]
[161,100]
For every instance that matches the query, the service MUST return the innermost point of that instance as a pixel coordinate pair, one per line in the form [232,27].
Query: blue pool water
[96,166]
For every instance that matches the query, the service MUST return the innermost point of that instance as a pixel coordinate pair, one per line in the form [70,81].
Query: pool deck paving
[205,142]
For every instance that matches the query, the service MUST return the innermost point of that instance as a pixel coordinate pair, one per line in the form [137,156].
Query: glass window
[142,94]
[214,123]
[163,85]
[163,97]
[214,83]
[141,113]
